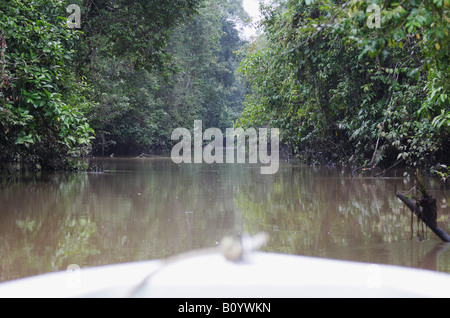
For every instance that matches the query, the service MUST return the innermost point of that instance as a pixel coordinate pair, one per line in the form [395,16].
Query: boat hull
[263,275]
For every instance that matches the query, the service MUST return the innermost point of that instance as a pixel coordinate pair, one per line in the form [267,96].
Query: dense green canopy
[345,81]
[344,90]
[133,72]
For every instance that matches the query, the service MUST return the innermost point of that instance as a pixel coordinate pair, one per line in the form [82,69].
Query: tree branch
[426,212]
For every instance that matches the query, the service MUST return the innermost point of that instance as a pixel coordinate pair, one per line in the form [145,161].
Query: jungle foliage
[342,90]
[133,72]
[153,66]
[41,111]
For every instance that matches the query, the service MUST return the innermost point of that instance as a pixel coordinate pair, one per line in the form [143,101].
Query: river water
[144,209]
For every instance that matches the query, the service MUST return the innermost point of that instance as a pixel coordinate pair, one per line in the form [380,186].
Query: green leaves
[442,121]
[415,20]
[43,123]
[24,139]
[338,88]
[167,71]
[443,171]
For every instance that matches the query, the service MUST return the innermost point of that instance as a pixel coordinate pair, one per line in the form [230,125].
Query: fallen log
[426,210]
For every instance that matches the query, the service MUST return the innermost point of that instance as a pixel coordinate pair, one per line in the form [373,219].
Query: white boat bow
[262,275]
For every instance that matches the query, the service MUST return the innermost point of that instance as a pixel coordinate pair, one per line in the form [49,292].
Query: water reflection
[142,209]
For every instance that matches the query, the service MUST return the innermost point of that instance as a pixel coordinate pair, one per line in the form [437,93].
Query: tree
[41,117]
[342,91]
[206,86]
[122,77]
[172,72]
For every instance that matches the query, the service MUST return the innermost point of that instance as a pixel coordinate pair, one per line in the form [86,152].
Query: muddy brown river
[144,209]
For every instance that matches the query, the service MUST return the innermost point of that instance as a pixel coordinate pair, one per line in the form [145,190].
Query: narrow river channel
[144,209]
